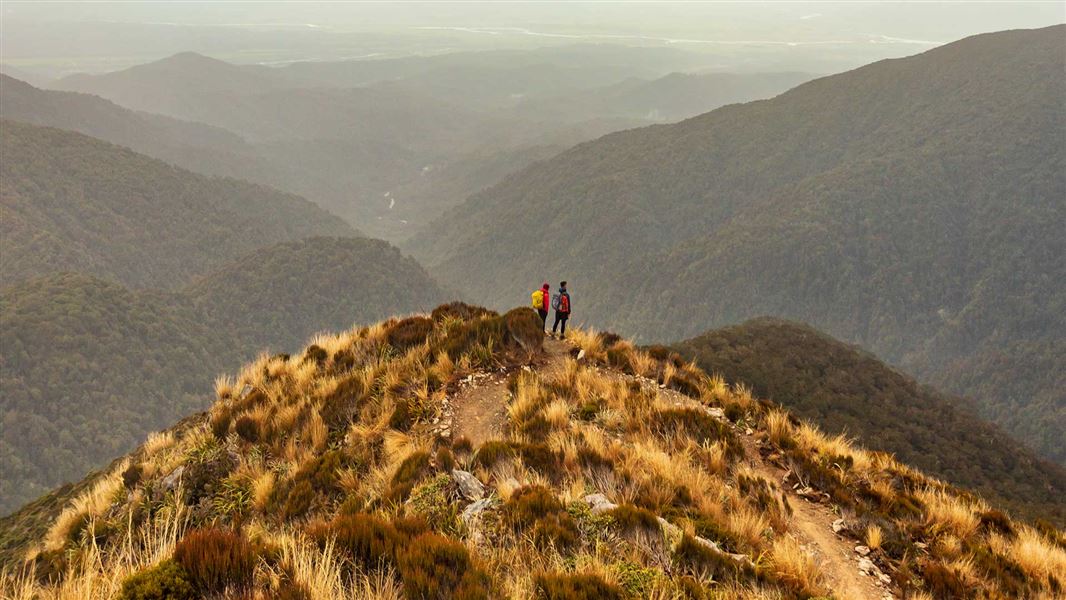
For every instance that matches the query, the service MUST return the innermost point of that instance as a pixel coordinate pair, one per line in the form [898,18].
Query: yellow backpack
[538,299]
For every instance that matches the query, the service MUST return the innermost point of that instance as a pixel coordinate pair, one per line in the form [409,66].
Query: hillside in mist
[75,203]
[912,206]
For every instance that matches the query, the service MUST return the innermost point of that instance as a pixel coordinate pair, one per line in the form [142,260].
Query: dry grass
[795,566]
[1039,558]
[874,537]
[778,428]
[949,513]
[87,506]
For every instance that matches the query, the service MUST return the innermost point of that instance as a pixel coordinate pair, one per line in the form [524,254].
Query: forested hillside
[912,206]
[88,366]
[278,296]
[75,203]
[845,390]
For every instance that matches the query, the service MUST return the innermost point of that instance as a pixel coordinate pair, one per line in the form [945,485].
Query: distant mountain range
[912,206]
[372,145]
[75,203]
[845,390]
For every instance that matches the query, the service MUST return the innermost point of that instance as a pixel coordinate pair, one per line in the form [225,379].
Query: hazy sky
[60,37]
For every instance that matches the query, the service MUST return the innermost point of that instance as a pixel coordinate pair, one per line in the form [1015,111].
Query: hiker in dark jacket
[561,304]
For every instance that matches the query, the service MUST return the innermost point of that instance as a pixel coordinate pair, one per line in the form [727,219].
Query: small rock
[748,431]
[717,413]
[581,355]
[171,480]
[599,503]
[885,579]
[474,510]
[866,566]
[446,432]
[839,525]
[469,486]
[862,550]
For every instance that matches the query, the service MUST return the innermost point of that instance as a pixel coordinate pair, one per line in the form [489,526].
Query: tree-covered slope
[846,390]
[912,206]
[278,296]
[89,367]
[75,203]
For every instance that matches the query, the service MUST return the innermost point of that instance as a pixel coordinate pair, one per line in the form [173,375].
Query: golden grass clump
[874,537]
[949,513]
[89,505]
[1038,557]
[795,566]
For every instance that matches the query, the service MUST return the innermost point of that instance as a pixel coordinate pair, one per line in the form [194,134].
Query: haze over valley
[265,300]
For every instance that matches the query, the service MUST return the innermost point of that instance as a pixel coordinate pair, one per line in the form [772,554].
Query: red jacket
[546,297]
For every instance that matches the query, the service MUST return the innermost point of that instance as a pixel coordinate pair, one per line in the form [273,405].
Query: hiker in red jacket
[561,304]
[540,303]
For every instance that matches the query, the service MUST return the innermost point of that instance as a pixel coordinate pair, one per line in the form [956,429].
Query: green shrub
[247,428]
[216,559]
[321,472]
[542,459]
[401,418]
[412,470]
[492,452]
[461,310]
[434,567]
[368,540]
[535,509]
[220,422]
[165,581]
[562,586]
[316,354]
[524,326]
[409,332]
[299,500]
[633,519]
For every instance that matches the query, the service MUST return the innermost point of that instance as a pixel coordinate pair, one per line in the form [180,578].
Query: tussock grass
[317,441]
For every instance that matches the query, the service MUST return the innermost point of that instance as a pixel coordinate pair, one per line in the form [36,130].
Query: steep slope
[89,366]
[846,390]
[75,203]
[272,299]
[616,474]
[911,206]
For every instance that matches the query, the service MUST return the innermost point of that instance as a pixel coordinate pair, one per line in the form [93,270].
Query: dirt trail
[480,409]
[812,526]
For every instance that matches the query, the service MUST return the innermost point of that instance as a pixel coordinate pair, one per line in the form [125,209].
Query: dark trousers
[560,317]
[543,317]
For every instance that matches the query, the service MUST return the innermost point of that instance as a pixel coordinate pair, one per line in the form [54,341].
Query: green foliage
[216,559]
[562,586]
[412,470]
[433,500]
[845,390]
[536,510]
[165,581]
[633,519]
[434,567]
[409,332]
